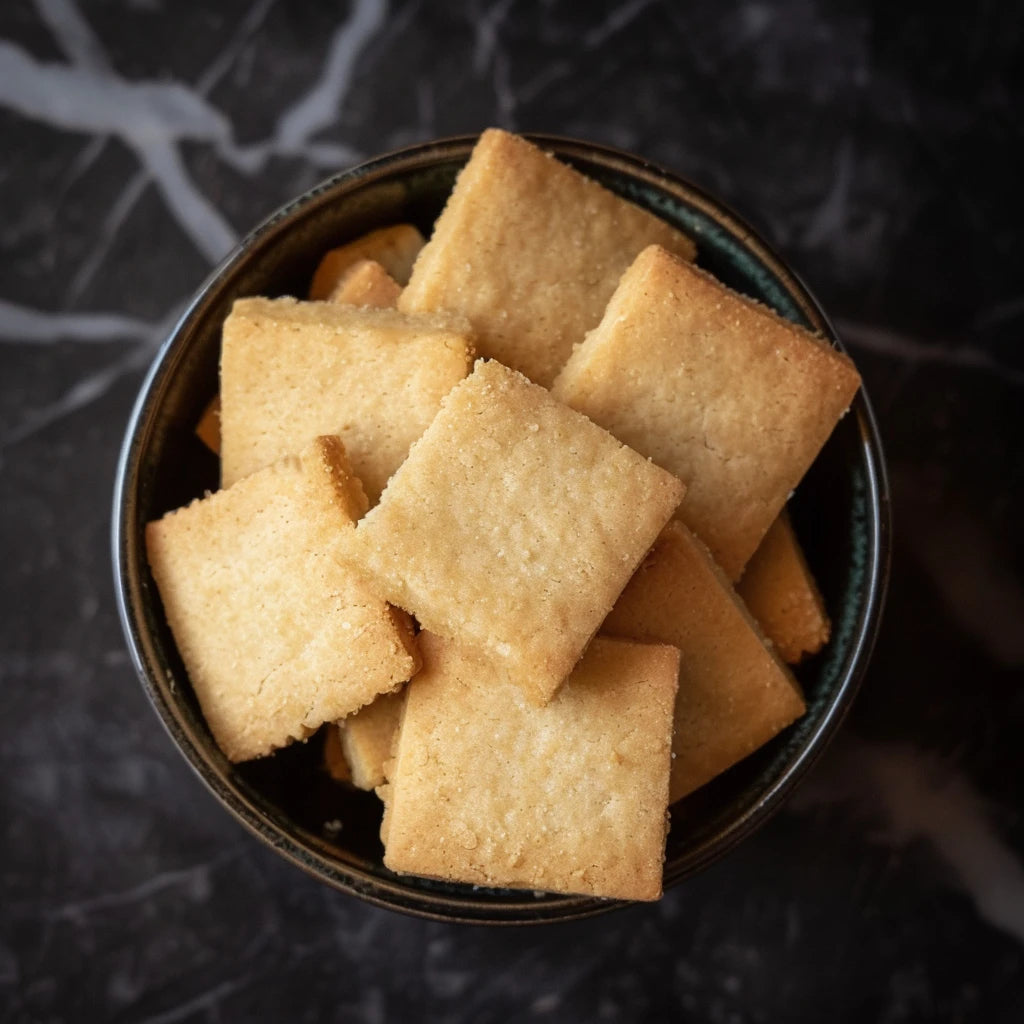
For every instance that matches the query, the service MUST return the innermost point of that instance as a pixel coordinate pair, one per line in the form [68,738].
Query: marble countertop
[877,149]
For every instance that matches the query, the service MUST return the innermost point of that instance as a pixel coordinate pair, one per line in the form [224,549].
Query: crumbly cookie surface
[277,637]
[530,250]
[366,283]
[722,392]
[368,736]
[291,371]
[734,694]
[513,526]
[779,589]
[489,789]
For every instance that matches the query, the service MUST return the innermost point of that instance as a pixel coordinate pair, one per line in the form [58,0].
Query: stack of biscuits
[503,512]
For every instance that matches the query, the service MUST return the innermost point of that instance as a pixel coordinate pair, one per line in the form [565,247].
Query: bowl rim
[298,849]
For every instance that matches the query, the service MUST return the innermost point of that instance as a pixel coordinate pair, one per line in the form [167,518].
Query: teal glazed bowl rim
[841,512]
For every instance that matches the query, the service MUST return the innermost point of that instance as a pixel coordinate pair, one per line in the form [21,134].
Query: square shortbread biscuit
[722,392]
[530,250]
[277,637]
[734,694]
[513,526]
[291,371]
[367,738]
[779,589]
[366,283]
[488,789]
[395,248]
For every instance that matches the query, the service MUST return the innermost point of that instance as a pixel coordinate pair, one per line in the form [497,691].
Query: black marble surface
[879,147]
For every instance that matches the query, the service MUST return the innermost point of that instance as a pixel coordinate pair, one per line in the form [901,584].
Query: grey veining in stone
[913,795]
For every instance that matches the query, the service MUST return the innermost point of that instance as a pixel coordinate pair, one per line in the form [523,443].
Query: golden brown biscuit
[395,248]
[366,739]
[513,526]
[291,371]
[734,694]
[208,427]
[366,283]
[722,392]
[277,637]
[778,588]
[488,789]
[530,250]
[334,757]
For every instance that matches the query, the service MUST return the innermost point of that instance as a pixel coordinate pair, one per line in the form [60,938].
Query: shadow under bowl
[840,512]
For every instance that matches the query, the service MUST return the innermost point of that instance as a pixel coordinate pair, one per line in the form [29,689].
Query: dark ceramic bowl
[841,513]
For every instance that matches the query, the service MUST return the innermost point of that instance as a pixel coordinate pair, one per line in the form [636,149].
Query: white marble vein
[1000,313]
[107,235]
[885,342]
[320,105]
[829,220]
[193,881]
[485,34]
[81,46]
[205,1003]
[201,220]
[234,45]
[84,392]
[62,96]
[24,325]
[503,92]
[73,34]
[551,74]
[918,796]
[154,118]
[615,22]
[87,156]
[151,118]
[96,384]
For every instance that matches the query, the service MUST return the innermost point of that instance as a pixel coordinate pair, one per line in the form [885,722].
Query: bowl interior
[840,512]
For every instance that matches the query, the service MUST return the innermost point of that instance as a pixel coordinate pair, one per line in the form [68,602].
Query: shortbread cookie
[367,283]
[277,637]
[531,251]
[513,526]
[334,757]
[488,789]
[722,392]
[208,427]
[779,589]
[734,694]
[395,248]
[366,738]
[291,371]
